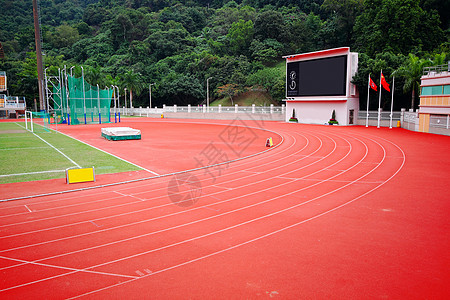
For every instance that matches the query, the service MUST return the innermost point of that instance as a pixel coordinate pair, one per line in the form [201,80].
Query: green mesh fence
[82,103]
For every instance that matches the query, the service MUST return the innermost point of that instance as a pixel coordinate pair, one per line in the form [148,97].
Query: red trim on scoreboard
[316,54]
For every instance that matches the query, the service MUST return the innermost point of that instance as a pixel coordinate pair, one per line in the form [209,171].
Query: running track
[329,213]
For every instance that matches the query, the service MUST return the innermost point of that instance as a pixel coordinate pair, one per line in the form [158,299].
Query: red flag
[372,84]
[384,83]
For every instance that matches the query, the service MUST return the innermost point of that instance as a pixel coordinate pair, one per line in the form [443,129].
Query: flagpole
[368,92]
[392,101]
[379,103]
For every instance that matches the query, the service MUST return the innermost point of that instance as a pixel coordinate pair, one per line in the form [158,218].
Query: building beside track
[434,112]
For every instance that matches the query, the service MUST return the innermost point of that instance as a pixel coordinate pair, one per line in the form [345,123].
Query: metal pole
[67,90]
[118,97]
[114,97]
[46,84]
[118,100]
[71,70]
[40,65]
[125,91]
[84,95]
[379,102]
[109,104]
[98,101]
[368,91]
[115,103]
[207,92]
[392,102]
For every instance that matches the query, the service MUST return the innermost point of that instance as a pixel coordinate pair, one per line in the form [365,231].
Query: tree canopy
[178,44]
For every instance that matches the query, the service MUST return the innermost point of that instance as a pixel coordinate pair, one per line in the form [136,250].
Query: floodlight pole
[118,96]
[98,101]
[84,95]
[150,94]
[115,111]
[46,87]
[40,65]
[207,92]
[125,91]
[118,100]
[109,104]
[114,95]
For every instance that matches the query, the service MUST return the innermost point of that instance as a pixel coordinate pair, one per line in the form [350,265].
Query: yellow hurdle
[80,175]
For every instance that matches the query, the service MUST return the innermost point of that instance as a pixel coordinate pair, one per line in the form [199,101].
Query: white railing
[14,102]
[140,111]
[410,120]
[385,115]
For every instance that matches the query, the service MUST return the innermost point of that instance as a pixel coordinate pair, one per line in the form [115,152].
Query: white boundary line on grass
[73,162]
[150,171]
[40,172]
[58,150]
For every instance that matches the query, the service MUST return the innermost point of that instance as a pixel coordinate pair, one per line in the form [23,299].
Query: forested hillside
[178,45]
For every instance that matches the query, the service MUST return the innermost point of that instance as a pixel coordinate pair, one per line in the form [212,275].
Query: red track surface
[331,212]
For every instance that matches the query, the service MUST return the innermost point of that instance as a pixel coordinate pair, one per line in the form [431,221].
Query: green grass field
[25,157]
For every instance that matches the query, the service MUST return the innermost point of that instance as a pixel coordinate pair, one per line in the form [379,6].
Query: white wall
[320,112]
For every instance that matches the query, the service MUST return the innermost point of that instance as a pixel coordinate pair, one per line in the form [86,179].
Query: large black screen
[317,77]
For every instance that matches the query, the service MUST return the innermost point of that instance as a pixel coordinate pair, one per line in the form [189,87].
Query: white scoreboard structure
[318,83]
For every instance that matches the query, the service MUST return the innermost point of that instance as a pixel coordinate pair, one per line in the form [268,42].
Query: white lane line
[182,225]
[28,208]
[265,235]
[126,195]
[72,271]
[356,180]
[115,206]
[142,221]
[150,208]
[30,173]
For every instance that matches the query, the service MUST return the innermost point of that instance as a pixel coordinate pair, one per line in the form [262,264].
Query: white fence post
[204,108]
[253,108]
[236,108]
[271,108]
[402,116]
[174,108]
[189,108]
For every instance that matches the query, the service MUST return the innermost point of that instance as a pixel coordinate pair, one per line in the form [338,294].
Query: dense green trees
[178,44]
[401,26]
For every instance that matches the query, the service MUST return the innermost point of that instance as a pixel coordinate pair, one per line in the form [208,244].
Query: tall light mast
[40,68]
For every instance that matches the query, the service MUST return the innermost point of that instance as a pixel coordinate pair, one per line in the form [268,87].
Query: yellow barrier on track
[80,175]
